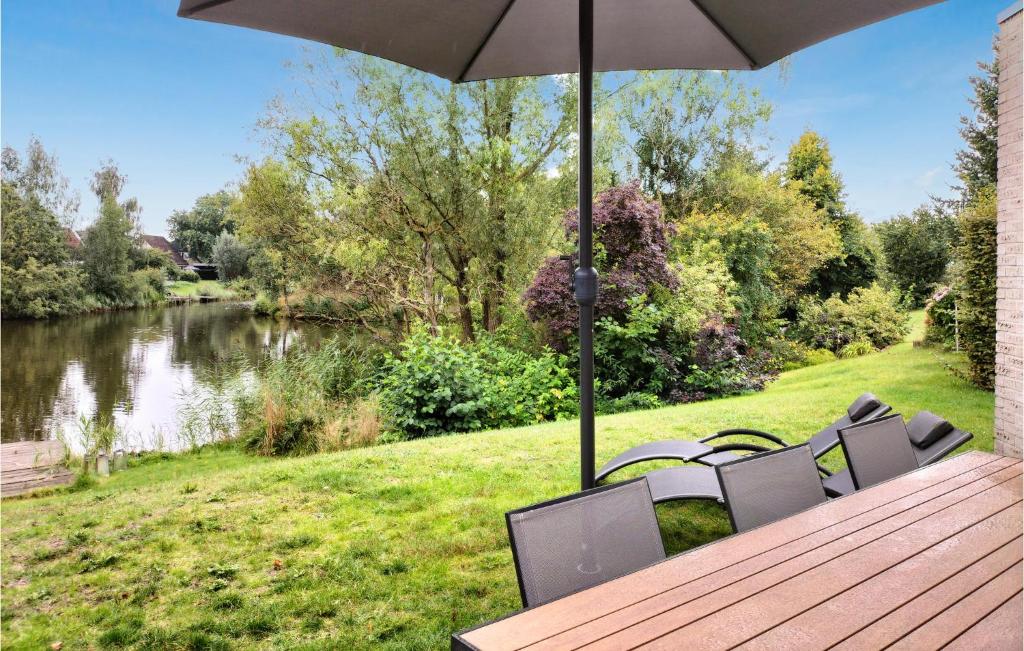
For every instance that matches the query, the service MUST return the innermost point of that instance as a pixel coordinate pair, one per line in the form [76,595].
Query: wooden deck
[29,465]
[929,559]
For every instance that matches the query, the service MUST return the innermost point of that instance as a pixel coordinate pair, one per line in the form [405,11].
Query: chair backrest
[762,488]
[866,407]
[575,542]
[877,450]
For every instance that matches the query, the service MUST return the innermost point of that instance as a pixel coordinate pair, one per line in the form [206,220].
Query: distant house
[160,243]
[206,271]
[72,239]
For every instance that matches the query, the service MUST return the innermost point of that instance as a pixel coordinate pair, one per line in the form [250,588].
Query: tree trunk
[465,314]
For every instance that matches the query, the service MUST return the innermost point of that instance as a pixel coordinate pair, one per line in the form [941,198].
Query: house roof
[71,238]
[160,243]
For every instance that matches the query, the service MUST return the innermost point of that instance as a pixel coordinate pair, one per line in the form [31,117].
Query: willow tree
[449,179]
[682,126]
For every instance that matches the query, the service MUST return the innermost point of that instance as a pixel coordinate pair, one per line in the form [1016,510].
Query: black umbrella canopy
[467,40]
[470,40]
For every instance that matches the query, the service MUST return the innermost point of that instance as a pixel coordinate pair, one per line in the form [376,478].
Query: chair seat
[684,483]
[838,484]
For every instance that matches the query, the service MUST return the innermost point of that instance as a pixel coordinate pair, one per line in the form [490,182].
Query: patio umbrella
[470,40]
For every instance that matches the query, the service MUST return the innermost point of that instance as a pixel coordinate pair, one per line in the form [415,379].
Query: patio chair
[877,451]
[765,487]
[574,542]
[866,407]
[931,438]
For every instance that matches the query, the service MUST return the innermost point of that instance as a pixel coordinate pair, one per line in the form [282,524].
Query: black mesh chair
[932,439]
[575,542]
[877,451]
[769,486]
[865,408]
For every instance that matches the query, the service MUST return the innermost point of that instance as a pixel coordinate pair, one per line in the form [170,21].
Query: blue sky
[174,102]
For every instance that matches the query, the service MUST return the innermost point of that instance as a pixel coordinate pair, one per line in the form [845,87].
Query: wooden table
[928,559]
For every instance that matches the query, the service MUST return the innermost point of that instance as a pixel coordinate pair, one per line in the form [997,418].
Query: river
[134,367]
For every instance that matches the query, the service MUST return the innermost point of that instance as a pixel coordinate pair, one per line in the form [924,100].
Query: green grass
[212,288]
[394,546]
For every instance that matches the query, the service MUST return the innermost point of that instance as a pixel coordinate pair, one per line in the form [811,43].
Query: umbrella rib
[725,34]
[203,6]
[483,44]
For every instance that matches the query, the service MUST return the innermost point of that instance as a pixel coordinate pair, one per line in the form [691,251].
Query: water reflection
[129,366]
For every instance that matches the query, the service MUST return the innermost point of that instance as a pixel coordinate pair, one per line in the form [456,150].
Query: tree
[38,176]
[809,170]
[273,212]
[803,238]
[916,250]
[196,230]
[106,252]
[107,183]
[631,238]
[30,230]
[976,164]
[449,179]
[685,126]
[230,255]
[37,282]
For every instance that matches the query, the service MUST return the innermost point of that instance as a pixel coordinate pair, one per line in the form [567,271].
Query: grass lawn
[393,546]
[201,288]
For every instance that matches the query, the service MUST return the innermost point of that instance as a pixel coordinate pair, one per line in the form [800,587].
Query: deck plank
[1001,629]
[28,465]
[967,613]
[888,629]
[832,621]
[584,608]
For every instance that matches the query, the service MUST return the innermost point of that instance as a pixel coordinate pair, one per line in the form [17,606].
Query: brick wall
[1009,417]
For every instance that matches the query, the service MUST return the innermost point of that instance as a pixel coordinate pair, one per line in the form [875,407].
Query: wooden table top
[927,559]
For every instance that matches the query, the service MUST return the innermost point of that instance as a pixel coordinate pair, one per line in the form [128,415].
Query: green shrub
[786,354]
[265,306]
[976,256]
[39,291]
[524,389]
[820,324]
[856,348]
[819,356]
[873,314]
[636,401]
[437,385]
[148,285]
[434,386]
[188,276]
[876,315]
[940,319]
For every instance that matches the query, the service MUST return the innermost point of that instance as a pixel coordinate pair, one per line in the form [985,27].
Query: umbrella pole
[585,277]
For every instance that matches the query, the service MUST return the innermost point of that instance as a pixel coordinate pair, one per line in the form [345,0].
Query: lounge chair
[768,486]
[931,438]
[866,407]
[575,542]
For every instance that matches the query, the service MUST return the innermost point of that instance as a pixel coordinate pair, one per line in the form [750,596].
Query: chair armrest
[743,431]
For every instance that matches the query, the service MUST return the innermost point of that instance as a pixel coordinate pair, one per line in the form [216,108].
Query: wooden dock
[29,465]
